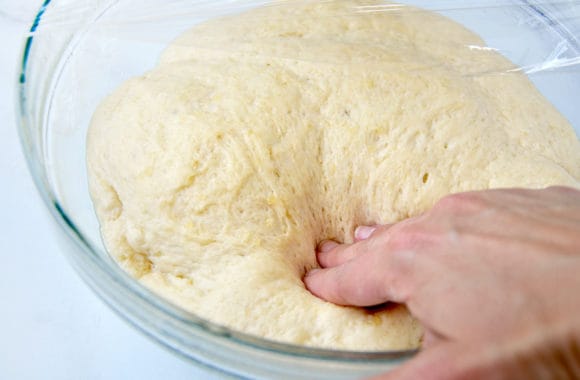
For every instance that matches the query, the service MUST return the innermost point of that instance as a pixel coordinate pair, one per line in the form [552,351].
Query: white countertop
[51,325]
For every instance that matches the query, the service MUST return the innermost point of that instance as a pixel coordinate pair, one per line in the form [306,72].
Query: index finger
[372,278]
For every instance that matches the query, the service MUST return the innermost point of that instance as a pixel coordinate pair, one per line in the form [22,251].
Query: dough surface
[258,135]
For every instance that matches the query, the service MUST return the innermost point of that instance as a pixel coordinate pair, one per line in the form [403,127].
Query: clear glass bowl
[79,51]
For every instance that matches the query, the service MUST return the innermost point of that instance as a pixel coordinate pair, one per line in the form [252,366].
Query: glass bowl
[80,51]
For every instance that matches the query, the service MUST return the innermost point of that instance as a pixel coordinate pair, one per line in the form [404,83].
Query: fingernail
[363,232]
[327,245]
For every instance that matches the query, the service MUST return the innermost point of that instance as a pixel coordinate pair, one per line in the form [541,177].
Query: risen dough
[260,134]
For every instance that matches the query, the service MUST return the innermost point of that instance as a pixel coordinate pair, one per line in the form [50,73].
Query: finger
[374,277]
[442,362]
[330,253]
[326,246]
[452,360]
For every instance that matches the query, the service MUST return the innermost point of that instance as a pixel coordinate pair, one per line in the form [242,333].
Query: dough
[258,135]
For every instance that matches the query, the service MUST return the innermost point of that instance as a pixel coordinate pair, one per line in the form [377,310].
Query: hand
[493,276]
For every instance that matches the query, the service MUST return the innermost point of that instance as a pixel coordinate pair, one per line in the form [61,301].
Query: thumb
[443,361]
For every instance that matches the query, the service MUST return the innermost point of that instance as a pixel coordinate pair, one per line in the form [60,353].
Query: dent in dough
[215,174]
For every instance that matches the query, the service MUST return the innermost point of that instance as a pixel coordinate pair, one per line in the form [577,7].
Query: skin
[493,277]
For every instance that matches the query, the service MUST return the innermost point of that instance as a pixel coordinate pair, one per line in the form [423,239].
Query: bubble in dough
[215,174]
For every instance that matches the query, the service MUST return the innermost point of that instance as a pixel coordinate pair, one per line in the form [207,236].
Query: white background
[51,325]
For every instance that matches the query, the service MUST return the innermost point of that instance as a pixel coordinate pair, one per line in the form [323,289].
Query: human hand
[493,276]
